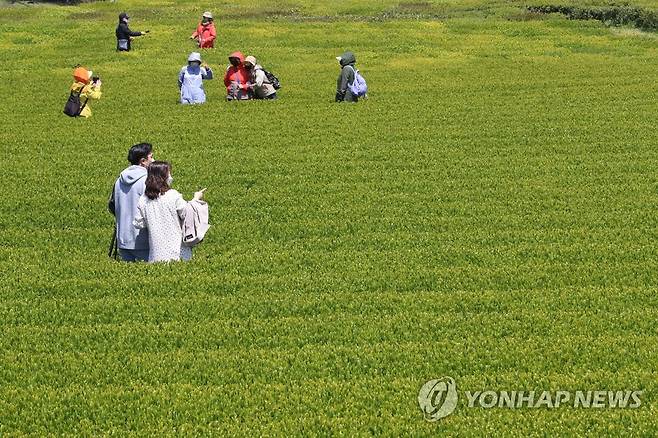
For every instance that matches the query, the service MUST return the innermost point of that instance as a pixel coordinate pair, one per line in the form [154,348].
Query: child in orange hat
[85,86]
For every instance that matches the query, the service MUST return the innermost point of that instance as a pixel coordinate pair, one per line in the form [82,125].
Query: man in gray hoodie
[345,78]
[133,243]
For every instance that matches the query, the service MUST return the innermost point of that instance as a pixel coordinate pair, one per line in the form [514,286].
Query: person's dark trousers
[134,255]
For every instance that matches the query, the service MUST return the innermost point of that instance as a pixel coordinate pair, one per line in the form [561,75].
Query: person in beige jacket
[260,85]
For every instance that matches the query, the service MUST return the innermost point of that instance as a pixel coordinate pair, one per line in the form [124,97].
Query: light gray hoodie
[127,189]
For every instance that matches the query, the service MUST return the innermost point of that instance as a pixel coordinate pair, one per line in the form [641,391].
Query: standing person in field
[236,78]
[85,86]
[205,33]
[190,80]
[261,87]
[161,211]
[124,34]
[347,73]
[133,243]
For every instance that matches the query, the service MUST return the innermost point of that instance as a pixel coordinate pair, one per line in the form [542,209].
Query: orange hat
[81,74]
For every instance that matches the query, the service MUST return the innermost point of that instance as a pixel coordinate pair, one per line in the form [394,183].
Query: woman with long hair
[161,211]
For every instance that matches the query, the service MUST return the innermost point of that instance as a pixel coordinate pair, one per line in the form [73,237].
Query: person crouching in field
[236,78]
[133,243]
[124,34]
[161,211]
[85,86]
[190,80]
[346,77]
[259,84]
[205,32]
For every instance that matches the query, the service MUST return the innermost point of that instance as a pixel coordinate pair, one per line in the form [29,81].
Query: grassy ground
[488,214]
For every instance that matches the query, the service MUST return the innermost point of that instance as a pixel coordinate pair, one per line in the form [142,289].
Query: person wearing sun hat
[124,34]
[205,32]
[190,80]
[259,83]
[87,87]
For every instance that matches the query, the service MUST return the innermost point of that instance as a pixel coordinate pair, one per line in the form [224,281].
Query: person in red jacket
[236,78]
[205,32]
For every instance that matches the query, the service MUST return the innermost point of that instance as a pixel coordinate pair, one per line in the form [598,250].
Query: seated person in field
[205,32]
[124,34]
[237,78]
[190,80]
[84,87]
[346,77]
[261,86]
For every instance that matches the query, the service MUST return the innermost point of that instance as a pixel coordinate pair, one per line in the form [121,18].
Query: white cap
[194,56]
[207,14]
[250,59]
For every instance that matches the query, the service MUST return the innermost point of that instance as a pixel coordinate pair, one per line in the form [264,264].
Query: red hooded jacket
[236,79]
[206,35]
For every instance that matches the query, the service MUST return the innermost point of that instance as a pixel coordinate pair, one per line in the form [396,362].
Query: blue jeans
[134,255]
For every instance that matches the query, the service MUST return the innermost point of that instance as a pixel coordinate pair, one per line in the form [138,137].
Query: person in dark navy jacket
[124,34]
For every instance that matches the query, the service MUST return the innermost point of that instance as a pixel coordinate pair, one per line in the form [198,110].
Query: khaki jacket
[262,86]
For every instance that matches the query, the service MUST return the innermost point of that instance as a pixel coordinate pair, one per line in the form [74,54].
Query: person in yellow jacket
[86,87]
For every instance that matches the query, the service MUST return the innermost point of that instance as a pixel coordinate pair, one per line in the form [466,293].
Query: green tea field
[488,214]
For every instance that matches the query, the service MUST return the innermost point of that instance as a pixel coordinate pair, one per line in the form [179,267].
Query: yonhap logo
[438,398]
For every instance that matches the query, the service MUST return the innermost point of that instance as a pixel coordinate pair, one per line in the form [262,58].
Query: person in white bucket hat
[190,80]
[205,33]
[259,82]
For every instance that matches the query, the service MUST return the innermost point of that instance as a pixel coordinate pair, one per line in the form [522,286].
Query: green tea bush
[642,18]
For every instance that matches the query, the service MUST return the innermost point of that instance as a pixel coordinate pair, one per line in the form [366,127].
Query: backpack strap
[354,70]
[113,251]
[84,104]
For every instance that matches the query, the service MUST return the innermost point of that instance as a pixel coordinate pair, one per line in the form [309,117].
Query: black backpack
[73,108]
[272,79]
